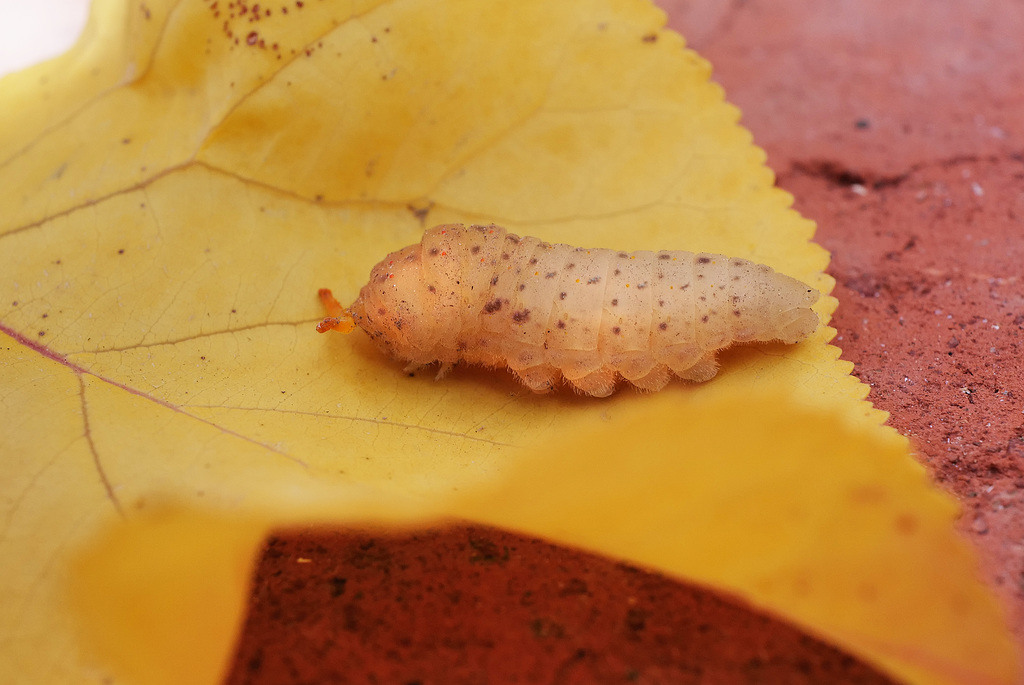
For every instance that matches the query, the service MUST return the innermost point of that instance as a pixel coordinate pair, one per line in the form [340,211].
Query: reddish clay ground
[898,127]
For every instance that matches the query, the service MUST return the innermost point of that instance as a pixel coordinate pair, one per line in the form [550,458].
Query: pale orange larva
[482,295]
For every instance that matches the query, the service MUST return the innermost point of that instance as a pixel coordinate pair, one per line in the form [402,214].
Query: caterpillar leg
[634,365]
[600,383]
[540,379]
[338,318]
[653,381]
[703,370]
[443,371]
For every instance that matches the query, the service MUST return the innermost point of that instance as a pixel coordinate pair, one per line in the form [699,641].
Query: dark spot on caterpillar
[736,312]
[735,278]
[616,330]
[700,276]
[431,288]
[663,326]
[522,287]
[462,346]
[616,272]
[684,287]
[735,299]
[494,281]
[703,298]
[703,260]
[504,255]
[570,265]
[481,229]
[522,316]
[551,274]
[739,262]
[661,303]
[664,256]
[380,310]
[615,302]
[580,249]
[661,275]
[561,295]
[593,279]
[398,323]
[493,306]
[561,324]
[704,318]
[623,255]
[434,251]
[514,239]
[533,260]
[475,249]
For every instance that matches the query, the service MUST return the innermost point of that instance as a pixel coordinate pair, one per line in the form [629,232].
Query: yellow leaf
[830,526]
[175,190]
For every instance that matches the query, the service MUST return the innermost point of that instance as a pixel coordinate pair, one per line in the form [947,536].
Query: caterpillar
[482,295]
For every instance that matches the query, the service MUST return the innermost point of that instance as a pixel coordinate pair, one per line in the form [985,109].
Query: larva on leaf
[482,295]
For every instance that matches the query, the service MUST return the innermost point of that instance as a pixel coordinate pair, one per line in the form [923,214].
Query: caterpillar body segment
[590,316]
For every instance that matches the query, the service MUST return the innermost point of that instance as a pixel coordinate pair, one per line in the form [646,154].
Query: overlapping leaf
[176,189]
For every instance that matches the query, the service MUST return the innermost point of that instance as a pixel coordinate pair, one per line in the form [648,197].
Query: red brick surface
[899,128]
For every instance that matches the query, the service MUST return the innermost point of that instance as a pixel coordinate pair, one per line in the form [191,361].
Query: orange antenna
[338,318]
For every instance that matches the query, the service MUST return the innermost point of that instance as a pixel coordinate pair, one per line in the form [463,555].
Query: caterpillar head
[795,319]
[770,306]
